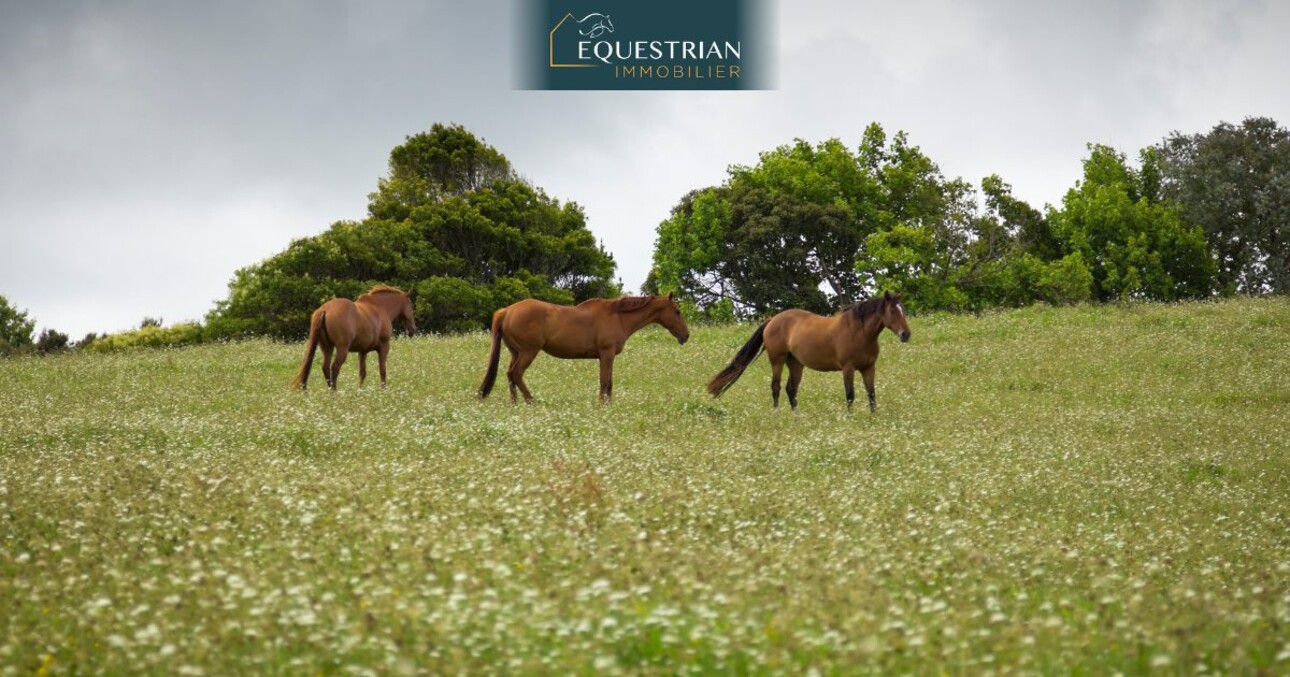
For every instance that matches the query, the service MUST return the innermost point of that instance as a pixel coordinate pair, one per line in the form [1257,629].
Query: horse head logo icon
[597,25]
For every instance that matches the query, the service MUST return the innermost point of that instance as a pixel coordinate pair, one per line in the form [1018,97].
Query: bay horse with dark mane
[343,326]
[593,329]
[846,342]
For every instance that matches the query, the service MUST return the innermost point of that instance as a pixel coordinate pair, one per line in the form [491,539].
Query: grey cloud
[148,149]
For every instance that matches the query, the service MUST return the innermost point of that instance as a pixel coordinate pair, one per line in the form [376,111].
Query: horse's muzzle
[904,336]
[683,338]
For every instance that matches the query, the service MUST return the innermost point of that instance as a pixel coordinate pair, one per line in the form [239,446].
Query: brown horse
[593,329]
[360,326]
[845,342]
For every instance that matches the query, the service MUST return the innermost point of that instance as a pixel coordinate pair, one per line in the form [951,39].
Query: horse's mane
[622,304]
[862,309]
[382,288]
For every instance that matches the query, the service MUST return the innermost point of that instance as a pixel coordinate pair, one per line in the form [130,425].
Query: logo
[662,44]
[599,27]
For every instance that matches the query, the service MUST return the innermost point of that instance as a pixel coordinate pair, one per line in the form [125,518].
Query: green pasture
[1076,490]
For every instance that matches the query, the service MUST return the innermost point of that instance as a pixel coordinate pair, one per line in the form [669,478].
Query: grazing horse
[360,326]
[593,329]
[845,342]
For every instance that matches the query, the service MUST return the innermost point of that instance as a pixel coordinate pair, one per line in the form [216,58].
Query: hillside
[1089,488]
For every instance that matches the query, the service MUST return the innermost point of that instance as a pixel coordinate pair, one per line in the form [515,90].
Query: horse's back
[528,317]
[805,335]
[529,310]
[796,319]
[336,306]
[341,316]
[563,331]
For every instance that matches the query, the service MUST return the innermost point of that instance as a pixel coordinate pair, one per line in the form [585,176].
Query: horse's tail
[491,376]
[742,359]
[315,330]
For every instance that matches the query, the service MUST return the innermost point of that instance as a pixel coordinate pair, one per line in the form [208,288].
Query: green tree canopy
[793,230]
[1137,245]
[819,226]
[1234,182]
[451,221]
[15,327]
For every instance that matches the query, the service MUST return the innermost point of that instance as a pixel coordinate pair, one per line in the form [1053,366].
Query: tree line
[814,226]
[820,226]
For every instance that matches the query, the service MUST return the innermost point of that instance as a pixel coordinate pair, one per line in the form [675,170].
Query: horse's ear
[669,296]
[886,296]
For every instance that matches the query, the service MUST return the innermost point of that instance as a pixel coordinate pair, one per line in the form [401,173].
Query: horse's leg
[510,373]
[341,354]
[849,383]
[362,368]
[328,349]
[516,373]
[606,375]
[867,374]
[382,352]
[776,368]
[794,378]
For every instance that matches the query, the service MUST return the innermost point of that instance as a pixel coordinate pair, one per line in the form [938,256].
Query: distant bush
[1027,279]
[51,341]
[85,342]
[186,333]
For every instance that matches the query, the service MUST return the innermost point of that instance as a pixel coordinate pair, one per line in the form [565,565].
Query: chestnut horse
[593,329]
[360,326]
[846,342]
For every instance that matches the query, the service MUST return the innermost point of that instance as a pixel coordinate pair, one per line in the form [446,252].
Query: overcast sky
[149,149]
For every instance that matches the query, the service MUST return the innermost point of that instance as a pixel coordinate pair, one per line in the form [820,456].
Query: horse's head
[670,317]
[599,26]
[892,315]
[406,313]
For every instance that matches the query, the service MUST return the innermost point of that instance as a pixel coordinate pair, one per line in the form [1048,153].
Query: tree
[1021,223]
[15,327]
[793,230]
[431,166]
[452,222]
[1135,244]
[51,341]
[1234,182]
[1014,259]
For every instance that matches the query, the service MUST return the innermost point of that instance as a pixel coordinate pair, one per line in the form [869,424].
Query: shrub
[186,333]
[51,341]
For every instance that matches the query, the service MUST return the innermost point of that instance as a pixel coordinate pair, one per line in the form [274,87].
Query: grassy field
[1045,490]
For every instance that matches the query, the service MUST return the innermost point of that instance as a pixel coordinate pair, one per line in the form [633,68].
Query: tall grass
[1055,490]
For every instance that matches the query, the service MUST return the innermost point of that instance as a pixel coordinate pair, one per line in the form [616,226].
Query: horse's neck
[634,320]
[380,305]
[869,327]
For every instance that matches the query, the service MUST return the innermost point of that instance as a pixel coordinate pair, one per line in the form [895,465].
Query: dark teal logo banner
[646,44]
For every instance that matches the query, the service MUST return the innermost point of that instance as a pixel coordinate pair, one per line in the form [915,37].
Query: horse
[846,342]
[600,26]
[360,326]
[593,329]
